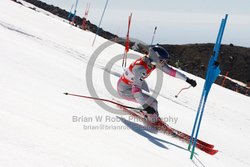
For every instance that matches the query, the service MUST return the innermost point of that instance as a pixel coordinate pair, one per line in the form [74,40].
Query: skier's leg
[151,108]
[125,91]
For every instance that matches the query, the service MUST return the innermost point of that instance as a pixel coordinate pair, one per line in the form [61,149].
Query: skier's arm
[174,73]
[170,71]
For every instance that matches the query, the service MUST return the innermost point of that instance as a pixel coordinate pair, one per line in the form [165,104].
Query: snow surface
[43,56]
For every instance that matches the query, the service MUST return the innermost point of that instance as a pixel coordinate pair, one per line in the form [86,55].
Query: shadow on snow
[145,130]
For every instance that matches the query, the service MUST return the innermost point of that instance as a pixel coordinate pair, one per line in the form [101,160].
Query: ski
[183,135]
[208,148]
[163,127]
[160,125]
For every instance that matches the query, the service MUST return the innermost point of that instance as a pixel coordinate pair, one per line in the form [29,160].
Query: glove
[150,110]
[191,82]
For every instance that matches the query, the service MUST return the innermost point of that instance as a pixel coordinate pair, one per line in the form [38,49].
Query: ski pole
[182,90]
[101,99]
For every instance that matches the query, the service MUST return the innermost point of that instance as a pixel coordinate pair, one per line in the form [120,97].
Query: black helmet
[157,54]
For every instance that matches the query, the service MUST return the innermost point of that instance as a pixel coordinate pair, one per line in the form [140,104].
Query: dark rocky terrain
[192,58]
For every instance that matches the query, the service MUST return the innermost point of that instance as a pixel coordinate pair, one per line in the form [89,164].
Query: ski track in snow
[15,29]
[62,48]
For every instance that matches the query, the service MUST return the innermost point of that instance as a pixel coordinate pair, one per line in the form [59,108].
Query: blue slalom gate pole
[212,74]
[216,49]
[73,18]
[195,122]
[70,13]
[97,31]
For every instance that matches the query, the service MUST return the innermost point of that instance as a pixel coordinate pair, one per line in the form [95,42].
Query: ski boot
[150,114]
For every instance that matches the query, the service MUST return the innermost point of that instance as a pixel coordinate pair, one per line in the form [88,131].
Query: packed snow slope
[43,56]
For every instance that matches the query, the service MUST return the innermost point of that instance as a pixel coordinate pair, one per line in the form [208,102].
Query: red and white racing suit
[132,81]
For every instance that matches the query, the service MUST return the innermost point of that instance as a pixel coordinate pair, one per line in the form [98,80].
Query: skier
[132,81]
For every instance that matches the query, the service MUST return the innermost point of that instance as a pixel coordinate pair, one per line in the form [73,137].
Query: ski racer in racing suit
[132,81]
